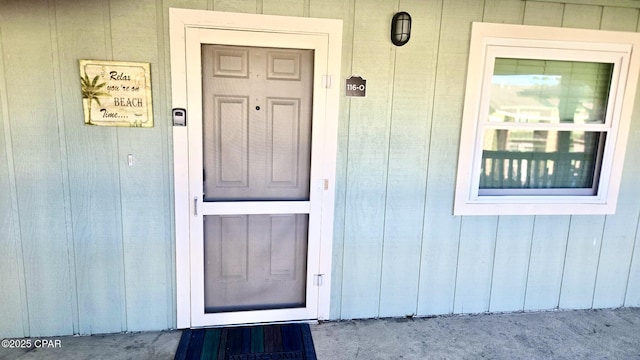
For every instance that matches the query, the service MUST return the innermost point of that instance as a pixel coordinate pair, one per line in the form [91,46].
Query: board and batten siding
[86,241]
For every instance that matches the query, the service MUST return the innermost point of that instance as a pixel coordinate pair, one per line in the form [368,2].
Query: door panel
[226,159]
[286,145]
[228,61]
[256,123]
[255,262]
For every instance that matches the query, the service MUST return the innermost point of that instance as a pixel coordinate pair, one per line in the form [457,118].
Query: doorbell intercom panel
[179,117]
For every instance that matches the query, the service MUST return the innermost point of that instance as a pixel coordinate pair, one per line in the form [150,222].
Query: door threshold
[309,321]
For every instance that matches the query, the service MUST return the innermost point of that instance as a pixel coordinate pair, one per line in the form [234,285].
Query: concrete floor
[595,334]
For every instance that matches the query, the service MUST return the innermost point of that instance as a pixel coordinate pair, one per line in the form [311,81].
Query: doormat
[264,342]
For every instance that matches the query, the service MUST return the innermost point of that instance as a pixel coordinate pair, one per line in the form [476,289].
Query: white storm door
[255,174]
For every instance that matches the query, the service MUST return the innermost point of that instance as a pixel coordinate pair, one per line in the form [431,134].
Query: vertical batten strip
[124,316]
[511,263]
[632,290]
[143,195]
[585,232]
[392,91]
[441,230]
[543,14]
[583,252]
[407,166]
[550,233]
[162,107]
[306,8]
[243,6]
[106,21]
[281,7]
[366,173]
[93,187]
[15,309]
[475,264]
[514,233]
[38,176]
[430,100]
[64,163]
[582,16]
[615,259]
[445,281]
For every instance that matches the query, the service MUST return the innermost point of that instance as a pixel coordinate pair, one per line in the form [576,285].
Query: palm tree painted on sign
[91,90]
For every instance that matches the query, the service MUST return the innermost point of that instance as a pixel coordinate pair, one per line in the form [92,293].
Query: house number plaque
[356,86]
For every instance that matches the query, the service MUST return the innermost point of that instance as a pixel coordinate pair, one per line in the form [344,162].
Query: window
[546,116]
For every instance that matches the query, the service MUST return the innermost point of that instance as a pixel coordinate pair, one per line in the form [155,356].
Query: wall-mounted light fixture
[400,28]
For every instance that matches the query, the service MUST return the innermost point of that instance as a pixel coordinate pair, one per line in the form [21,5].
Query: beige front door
[256,147]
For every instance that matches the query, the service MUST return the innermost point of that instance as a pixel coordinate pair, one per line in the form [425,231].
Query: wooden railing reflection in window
[538,170]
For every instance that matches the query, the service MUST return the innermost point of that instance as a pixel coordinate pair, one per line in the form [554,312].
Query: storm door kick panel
[255,209]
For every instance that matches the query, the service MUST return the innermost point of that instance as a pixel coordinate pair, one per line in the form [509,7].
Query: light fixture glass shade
[400,28]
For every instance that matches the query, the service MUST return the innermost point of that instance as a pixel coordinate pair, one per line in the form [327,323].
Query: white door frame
[181,20]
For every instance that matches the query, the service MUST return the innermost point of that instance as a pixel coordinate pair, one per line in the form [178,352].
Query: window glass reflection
[534,159]
[549,91]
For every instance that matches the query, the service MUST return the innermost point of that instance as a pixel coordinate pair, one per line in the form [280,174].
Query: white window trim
[489,41]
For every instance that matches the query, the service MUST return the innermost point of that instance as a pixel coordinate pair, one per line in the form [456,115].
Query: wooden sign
[116,93]
[356,86]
